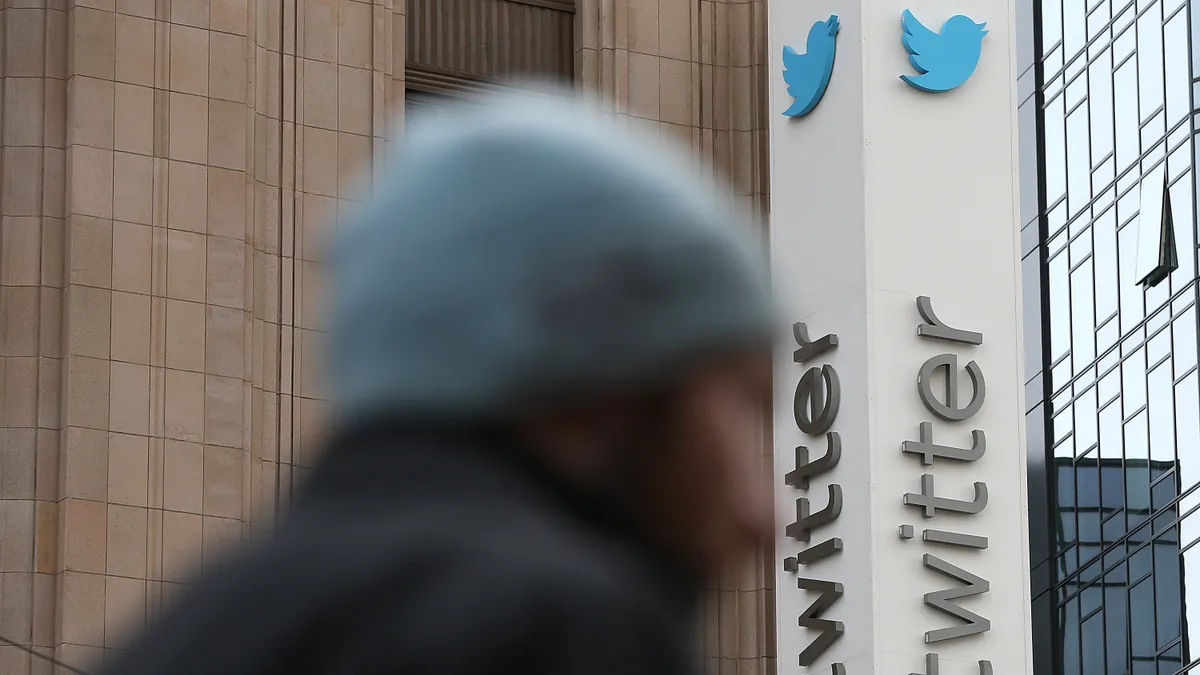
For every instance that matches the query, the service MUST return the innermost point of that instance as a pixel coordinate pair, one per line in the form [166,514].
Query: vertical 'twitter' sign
[901,537]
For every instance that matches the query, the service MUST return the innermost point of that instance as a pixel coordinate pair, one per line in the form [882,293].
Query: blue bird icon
[807,74]
[943,60]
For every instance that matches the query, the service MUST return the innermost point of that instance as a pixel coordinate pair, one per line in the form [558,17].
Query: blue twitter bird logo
[943,60]
[807,74]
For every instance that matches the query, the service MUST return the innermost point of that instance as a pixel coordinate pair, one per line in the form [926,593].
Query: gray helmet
[523,250]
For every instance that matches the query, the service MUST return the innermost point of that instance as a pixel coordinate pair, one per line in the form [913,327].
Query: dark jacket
[432,552]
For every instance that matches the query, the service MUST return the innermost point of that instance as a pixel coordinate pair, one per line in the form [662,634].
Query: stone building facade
[169,171]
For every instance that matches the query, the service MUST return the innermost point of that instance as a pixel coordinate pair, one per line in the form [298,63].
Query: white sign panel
[899,442]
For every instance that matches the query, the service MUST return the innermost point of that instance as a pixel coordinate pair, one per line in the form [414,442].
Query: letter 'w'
[830,592]
[940,600]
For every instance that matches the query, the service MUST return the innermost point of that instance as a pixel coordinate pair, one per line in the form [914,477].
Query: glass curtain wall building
[1113,395]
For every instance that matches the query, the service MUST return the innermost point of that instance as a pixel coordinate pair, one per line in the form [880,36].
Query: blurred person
[549,358]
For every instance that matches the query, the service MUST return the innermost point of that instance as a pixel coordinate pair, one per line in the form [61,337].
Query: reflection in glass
[1191,602]
[1124,435]
[1092,644]
[1167,586]
[1140,609]
[1141,622]
[1116,615]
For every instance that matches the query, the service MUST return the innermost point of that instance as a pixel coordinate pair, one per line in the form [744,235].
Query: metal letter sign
[948,408]
[815,408]
[927,449]
[940,600]
[806,521]
[814,412]
[806,468]
[830,592]
[931,502]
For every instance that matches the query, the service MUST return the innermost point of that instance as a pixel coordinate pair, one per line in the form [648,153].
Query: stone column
[168,171]
[34,70]
[900,467]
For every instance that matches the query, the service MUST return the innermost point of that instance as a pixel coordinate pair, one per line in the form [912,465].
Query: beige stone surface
[171,172]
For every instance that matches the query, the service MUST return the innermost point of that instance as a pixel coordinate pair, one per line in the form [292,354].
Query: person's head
[685,457]
[524,263]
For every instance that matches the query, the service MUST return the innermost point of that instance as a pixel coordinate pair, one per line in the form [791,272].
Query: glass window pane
[1178,78]
[1079,160]
[1159,346]
[1116,620]
[1162,415]
[1195,42]
[1126,41]
[1062,425]
[1166,588]
[1085,420]
[1132,307]
[1152,133]
[1126,114]
[1100,86]
[1165,492]
[1051,20]
[1102,178]
[1137,474]
[1104,259]
[1092,643]
[1133,383]
[1068,620]
[1183,330]
[1191,596]
[1077,89]
[1187,433]
[1189,528]
[1111,438]
[1083,318]
[1074,27]
[1110,384]
[1142,561]
[1179,161]
[1060,307]
[1182,209]
[1097,21]
[1150,59]
[1056,150]
[1141,621]
[1170,660]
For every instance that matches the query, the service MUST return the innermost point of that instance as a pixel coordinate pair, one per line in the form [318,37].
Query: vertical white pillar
[902,541]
